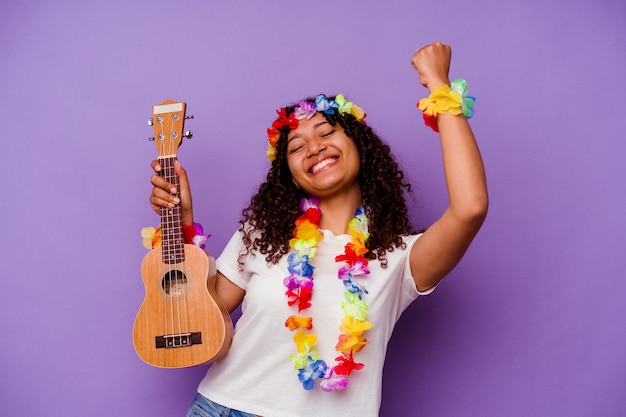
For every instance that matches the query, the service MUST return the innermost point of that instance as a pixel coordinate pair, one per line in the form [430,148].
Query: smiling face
[322,159]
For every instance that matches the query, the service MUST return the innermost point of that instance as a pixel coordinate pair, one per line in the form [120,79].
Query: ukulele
[181,322]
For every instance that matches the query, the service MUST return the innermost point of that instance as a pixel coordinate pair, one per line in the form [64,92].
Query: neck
[337,212]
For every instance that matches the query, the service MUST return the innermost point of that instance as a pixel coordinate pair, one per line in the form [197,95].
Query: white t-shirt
[256,376]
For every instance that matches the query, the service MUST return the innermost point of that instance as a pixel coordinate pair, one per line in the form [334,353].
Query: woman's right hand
[165,194]
[432,63]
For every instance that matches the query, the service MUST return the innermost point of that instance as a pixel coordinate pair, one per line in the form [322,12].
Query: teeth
[322,164]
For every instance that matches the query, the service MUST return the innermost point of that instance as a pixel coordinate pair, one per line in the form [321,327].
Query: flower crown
[305,110]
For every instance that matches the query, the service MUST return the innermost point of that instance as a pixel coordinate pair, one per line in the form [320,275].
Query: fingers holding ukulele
[164,194]
[184,193]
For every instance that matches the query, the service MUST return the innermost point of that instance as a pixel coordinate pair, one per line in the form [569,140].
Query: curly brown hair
[268,221]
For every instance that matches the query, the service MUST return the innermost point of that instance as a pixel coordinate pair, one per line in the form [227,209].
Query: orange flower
[349,344]
[273,136]
[296,322]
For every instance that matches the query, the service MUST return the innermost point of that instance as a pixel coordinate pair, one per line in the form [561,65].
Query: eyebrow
[315,126]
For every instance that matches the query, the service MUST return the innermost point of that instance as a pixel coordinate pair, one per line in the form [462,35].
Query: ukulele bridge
[178,340]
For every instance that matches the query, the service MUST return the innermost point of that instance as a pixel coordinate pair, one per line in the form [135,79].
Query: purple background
[531,323]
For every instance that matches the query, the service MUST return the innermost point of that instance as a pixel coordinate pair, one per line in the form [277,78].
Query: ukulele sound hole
[174,284]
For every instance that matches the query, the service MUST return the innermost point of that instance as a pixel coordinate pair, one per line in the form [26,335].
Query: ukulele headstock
[168,121]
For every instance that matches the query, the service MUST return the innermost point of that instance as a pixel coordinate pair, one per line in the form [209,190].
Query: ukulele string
[178,288]
[166,283]
[173,244]
[181,287]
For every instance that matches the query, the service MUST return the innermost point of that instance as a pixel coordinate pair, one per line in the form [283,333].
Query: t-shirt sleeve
[228,262]
[409,283]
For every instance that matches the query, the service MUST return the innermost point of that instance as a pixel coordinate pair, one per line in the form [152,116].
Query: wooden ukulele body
[180,323]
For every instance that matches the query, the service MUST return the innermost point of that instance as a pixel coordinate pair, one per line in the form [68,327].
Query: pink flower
[333,381]
[305,110]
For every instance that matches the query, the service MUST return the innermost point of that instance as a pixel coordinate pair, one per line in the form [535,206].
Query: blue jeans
[203,407]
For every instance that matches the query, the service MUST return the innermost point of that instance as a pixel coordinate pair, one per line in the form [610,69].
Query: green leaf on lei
[353,306]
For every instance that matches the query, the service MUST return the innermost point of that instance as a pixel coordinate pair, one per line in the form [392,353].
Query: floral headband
[306,110]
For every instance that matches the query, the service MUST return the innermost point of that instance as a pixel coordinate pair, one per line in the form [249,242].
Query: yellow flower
[308,231]
[357,112]
[151,237]
[441,100]
[354,327]
[304,341]
[271,153]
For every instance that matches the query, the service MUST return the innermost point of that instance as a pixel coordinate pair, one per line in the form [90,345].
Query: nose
[315,147]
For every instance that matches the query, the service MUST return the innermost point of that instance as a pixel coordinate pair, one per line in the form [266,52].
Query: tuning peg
[189,117]
[151,139]
[150,123]
[188,134]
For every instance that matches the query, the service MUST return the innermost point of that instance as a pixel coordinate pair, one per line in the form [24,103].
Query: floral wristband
[444,99]
[192,234]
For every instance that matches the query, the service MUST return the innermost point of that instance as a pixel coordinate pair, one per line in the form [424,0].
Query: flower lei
[192,234]
[299,283]
[444,99]
[306,110]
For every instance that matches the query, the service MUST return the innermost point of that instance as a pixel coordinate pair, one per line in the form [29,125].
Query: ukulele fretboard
[171,222]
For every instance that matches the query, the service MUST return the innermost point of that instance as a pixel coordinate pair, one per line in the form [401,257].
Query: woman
[318,350]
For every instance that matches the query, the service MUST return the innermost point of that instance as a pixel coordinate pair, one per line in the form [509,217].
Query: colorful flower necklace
[299,283]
